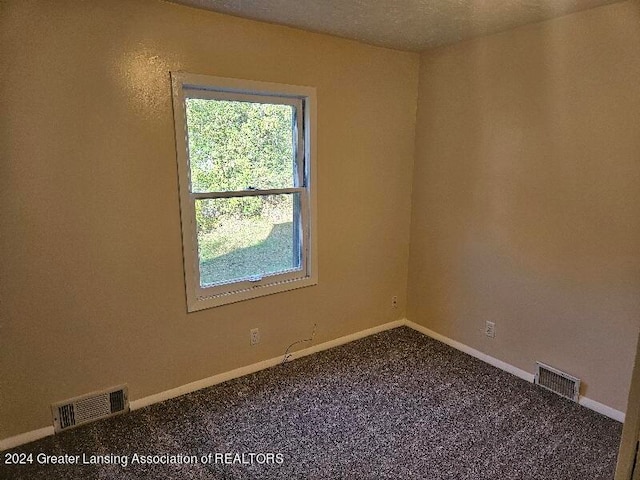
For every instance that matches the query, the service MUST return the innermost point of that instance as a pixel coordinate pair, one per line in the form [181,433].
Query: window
[247,204]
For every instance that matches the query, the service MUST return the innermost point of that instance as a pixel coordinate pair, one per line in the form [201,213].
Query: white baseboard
[242,371]
[473,352]
[605,410]
[529,377]
[33,435]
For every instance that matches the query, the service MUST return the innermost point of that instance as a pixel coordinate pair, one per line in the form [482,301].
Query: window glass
[236,145]
[245,153]
[247,237]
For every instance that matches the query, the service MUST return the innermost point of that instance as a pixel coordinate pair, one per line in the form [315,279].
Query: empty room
[295,239]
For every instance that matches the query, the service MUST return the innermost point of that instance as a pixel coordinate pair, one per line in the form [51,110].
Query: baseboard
[473,352]
[21,439]
[256,367]
[529,377]
[33,435]
[605,410]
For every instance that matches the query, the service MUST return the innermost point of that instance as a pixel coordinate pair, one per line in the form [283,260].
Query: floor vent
[90,407]
[557,381]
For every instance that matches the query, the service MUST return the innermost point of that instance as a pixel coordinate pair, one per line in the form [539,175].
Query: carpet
[395,405]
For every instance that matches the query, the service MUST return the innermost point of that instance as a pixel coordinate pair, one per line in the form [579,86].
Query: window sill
[203,302]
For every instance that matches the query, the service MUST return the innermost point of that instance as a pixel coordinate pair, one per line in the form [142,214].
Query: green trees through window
[245,152]
[235,146]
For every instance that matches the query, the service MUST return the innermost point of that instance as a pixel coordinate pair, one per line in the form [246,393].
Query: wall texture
[92,289]
[526,198]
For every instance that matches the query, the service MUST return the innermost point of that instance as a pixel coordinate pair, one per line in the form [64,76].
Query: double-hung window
[245,154]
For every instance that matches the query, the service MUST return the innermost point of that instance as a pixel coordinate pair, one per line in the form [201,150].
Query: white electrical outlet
[254,336]
[394,301]
[490,329]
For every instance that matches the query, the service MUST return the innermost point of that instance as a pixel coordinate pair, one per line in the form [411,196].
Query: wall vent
[87,408]
[557,381]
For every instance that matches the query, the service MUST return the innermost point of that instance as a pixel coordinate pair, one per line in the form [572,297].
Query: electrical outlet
[254,336]
[490,329]
[394,301]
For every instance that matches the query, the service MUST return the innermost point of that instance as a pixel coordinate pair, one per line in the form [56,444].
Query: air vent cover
[87,408]
[557,381]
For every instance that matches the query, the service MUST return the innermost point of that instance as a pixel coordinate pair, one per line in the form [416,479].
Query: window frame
[303,99]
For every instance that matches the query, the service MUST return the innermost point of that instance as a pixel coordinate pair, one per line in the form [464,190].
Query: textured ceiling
[401,24]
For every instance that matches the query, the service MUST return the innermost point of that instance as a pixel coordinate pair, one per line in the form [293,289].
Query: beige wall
[92,291]
[526,196]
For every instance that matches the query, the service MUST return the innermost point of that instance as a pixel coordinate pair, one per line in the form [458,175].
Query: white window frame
[303,99]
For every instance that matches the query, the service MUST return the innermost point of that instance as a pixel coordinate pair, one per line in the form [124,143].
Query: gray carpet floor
[396,405]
